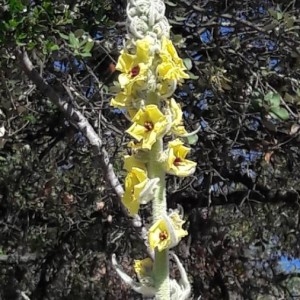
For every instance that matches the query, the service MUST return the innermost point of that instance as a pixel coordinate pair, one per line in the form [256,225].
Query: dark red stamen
[135,71]
[163,235]
[148,125]
[177,161]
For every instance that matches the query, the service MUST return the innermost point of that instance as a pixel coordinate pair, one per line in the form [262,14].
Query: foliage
[59,220]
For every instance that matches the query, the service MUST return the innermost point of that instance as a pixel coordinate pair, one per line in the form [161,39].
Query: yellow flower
[177,223]
[176,163]
[135,182]
[135,146]
[124,101]
[134,67]
[166,232]
[131,162]
[177,122]
[149,124]
[159,236]
[172,66]
[143,268]
[166,88]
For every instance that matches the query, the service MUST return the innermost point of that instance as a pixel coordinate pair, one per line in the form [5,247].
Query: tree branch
[15,258]
[260,194]
[77,119]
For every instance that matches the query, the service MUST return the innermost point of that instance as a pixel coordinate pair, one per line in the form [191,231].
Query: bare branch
[77,119]
[24,296]
[15,258]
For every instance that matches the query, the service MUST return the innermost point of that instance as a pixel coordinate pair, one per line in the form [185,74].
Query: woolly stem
[161,275]
[159,206]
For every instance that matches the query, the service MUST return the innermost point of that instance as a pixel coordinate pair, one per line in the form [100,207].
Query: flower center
[135,71]
[177,161]
[163,235]
[148,125]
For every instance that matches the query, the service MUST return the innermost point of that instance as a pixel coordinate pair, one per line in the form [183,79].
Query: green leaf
[31,45]
[192,139]
[257,103]
[82,43]
[272,12]
[177,39]
[273,99]
[179,19]
[289,98]
[63,36]
[289,20]
[12,24]
[30,118]
[20,43]
[54,47]
[193,76]
[74,42]
[85,54]
[2,158]
[279,15]
[79,33]
[270,26]
[50,47]
[175,22]
[22,36]
[88,46]
[276,14]
[15,5]
[188,63]
[279,113]
[225,86]
[170,3]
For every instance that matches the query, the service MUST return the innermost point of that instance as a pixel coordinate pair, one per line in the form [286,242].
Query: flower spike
[150,71]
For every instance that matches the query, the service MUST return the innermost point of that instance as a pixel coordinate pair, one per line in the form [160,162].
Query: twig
[15,258]
[24,296]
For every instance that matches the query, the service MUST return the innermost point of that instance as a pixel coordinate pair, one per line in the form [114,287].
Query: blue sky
[289,265]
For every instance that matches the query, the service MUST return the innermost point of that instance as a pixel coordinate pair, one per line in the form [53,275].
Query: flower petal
[135,182]
[143,268]
[177,121]
[131,161]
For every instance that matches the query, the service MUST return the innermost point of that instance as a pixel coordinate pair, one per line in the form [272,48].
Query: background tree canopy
[60,215]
